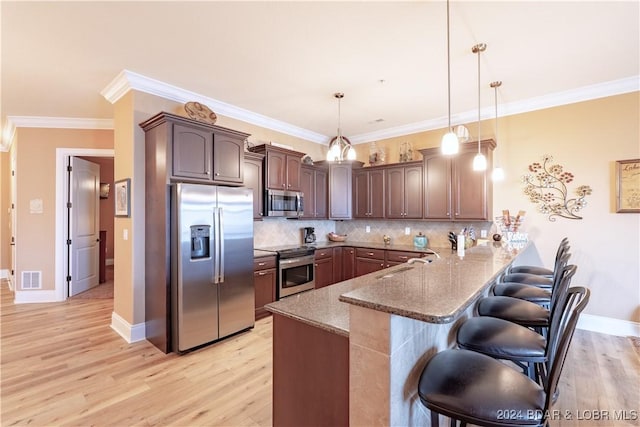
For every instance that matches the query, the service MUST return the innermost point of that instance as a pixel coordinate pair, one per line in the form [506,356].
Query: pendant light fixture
[498,173]
[449,143]
[479,161]
[340,145]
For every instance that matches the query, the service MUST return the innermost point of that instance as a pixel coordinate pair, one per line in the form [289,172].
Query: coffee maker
[308,235]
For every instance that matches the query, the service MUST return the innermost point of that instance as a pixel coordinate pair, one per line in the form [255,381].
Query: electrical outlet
[367,229]
[483,234]
[407,231]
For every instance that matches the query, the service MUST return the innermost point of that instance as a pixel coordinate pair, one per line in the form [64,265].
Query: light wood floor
[62,365]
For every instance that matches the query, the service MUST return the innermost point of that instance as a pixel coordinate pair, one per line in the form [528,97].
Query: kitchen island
[351,353]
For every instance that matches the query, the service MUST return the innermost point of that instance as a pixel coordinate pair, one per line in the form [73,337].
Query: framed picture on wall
[123,197]
[628,186]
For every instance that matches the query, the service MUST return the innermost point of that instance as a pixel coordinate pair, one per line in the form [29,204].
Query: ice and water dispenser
[200,235]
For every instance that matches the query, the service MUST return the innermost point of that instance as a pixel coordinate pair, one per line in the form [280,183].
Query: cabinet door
[348,263]
[228,163]
[293,173]
[376,193]
[253,180]
[367,265]
[340,192]
[437,187]
[265,290]
[276,169]
[413,190]
[321,184]
[395,192]
[324,272]
[361,194]
[192,153]
[337,265]
[470,188]
[307,186]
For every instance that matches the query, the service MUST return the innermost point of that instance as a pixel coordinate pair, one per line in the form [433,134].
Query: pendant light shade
[340,147]
[498,173]
[479,161]
[449,143]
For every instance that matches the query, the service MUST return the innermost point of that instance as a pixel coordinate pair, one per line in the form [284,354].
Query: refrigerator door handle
[216,247]
[221,245]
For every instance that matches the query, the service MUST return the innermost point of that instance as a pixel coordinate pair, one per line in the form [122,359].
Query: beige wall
[586,139]
[35,179]
[5,204]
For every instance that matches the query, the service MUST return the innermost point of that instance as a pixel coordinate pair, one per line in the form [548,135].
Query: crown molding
[585,93]
[14,122]
[127,80]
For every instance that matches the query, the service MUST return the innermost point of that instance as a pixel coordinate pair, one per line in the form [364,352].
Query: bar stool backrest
[577,299]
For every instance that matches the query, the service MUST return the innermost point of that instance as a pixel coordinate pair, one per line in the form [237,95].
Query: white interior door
[84,217]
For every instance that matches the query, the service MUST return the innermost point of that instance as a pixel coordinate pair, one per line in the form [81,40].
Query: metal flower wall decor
[546,186]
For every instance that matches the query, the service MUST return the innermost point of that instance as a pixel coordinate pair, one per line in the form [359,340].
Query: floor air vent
[31,280]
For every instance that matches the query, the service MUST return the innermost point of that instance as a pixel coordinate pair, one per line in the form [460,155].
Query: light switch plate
[367,229]
[125,234]
[407,231]
[483,234]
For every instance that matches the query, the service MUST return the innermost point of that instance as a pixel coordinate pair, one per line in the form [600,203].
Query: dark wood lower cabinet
[368,265]
[310,375]
[323,268]
[264,282]
[348,263]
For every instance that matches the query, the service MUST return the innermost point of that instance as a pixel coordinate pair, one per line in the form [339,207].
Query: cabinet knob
[381,265]
[261,273]
[316,265]
[261,263]
[370,253]
[402,257]
[217,173]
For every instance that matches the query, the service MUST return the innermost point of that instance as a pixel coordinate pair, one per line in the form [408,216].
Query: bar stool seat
[463,384]
[532,269]
[502,339]
[529,279]
[523,291]
[516,310]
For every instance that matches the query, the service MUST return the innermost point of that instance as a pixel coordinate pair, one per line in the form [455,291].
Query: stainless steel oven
[296,271]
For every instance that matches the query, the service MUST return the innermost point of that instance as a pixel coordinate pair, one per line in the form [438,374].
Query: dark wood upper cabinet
[368,193]
[313,184]
[253,175]
[282,167]
[340,188]
[192,152]
[228,160]
[453,190]
[404,189]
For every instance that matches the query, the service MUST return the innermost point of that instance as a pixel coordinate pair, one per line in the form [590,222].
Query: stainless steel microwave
[284,203]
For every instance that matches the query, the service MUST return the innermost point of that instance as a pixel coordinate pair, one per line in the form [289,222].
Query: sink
[393,273]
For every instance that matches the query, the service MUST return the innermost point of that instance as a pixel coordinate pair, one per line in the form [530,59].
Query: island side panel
[388,354]
[310,375]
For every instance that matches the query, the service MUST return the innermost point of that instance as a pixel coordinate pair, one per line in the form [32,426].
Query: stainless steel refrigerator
[212,263]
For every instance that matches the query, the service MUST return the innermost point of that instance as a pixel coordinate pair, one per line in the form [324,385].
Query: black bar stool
[525,274]
[502,339]
[474,388]
[541,271]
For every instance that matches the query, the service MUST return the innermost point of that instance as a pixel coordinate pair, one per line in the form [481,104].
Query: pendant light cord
[479,50]
[448,68]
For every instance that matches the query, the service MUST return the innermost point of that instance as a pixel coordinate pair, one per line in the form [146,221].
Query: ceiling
[283,61]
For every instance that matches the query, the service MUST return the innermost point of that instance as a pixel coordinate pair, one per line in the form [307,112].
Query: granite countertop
[257,253]
[370,245]
[436,292]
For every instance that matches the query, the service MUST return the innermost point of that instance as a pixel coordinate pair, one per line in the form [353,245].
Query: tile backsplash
[280,231]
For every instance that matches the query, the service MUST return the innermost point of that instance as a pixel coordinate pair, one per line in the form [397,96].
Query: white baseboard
[27,297]
[608,325]
[108,261]
[131,333]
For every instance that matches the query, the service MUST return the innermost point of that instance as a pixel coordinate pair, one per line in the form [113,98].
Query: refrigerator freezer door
[237,308]
[195,295]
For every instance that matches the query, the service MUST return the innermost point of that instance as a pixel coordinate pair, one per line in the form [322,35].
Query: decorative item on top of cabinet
[313,184]
[264,279]
[452,189]
[546,188]
[368,192]
[200,112]
[340,187]
[282,167]
[253,174]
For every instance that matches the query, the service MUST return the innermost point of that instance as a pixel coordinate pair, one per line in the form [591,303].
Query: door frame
[62,193]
